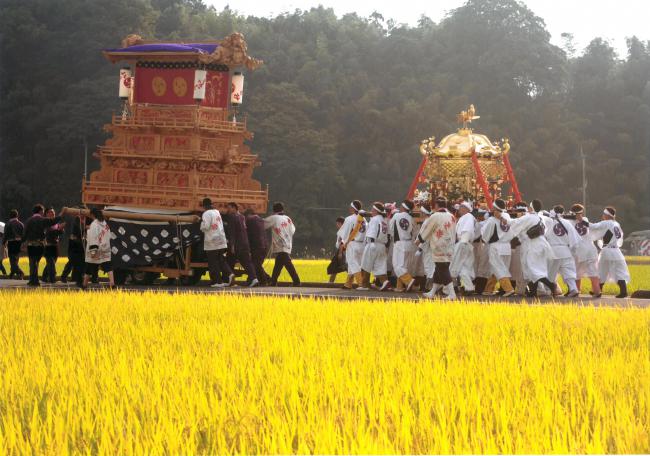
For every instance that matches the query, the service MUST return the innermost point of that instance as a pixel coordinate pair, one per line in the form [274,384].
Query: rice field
[154,373]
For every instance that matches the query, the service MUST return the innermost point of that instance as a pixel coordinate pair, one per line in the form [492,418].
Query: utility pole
[584,178]
[85,158]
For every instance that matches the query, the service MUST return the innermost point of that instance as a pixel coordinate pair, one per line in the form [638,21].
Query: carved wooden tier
[172,154]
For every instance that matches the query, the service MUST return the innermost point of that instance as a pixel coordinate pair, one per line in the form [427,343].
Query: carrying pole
[134,215]
[511,178]
[416,181]
[481,180]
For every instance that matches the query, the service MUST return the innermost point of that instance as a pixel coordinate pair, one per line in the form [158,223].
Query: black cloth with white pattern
[147,244]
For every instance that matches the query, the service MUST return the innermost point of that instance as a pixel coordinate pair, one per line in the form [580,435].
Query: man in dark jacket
[76,253]
[13,239]
[258,243]
[238,242]
[35,227]
[51,252]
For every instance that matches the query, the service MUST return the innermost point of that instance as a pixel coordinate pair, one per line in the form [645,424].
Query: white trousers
[482,259]
[587,268]
[499,264]
[374,259]
[566,267]
[535,255]
[613,270]
[403,258]
[462,264]
[353,255]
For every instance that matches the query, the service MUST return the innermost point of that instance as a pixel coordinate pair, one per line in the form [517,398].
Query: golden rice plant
[156,373]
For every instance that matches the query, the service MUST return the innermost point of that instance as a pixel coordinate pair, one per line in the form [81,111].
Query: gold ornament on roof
[466,117]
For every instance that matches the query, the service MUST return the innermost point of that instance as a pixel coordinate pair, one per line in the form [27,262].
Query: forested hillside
[342,102]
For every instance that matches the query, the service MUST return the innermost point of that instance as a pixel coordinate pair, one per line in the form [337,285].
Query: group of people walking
[459,247]
[447,248]
[40,235]
[234,237]
[228,238]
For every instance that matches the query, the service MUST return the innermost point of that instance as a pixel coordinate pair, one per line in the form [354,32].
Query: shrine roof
[230,51]
[193,48]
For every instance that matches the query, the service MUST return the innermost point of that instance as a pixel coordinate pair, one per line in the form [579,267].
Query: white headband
[497,208]
[406,207]
[354,207]
[378,210]
[606,212]
[467,205]
[531,206]
[425,211]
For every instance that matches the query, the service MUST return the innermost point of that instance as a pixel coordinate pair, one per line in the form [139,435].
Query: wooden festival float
[177,140]
[465,165]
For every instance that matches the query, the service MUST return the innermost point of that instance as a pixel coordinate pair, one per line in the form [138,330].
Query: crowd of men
[229,238]
[451,248]
[445,249]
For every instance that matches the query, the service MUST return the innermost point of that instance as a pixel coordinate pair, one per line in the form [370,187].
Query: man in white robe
[373,260]
[585,253]
[439,231]
[401,230]
[611,263]
[353,235]
[462,263]
[496,234]
[535,250]
[563,238]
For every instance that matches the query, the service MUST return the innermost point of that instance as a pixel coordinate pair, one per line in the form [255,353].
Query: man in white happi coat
[439,231]
[535,250]
[611,263]
[462,263]
[481,253]
[373,260]
[563,238]
[585,253]
[402,232]
[516,270]
[353,235]
[497,236]
[423,254]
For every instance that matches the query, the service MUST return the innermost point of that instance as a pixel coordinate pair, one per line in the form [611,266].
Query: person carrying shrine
[611,262]
[13,238]
[402,232]
[258,242]
[496,235]
[239,246]
[215,245]
[76,253]
[354,235]
[51,252]
[34,233]
[337,263]
[563,238]
[98,248]
[375,251]
[439,231]
[282,231]
[2,249]
[423,253]
[481,252]
[585,253]
[516,271]
[462,263]
[535,249]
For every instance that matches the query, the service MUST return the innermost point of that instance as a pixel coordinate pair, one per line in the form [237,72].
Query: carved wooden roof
[231,51]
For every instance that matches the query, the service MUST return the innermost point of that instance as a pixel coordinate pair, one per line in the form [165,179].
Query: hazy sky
[586,19]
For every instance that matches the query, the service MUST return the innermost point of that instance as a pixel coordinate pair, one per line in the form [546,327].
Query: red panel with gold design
[175,86]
